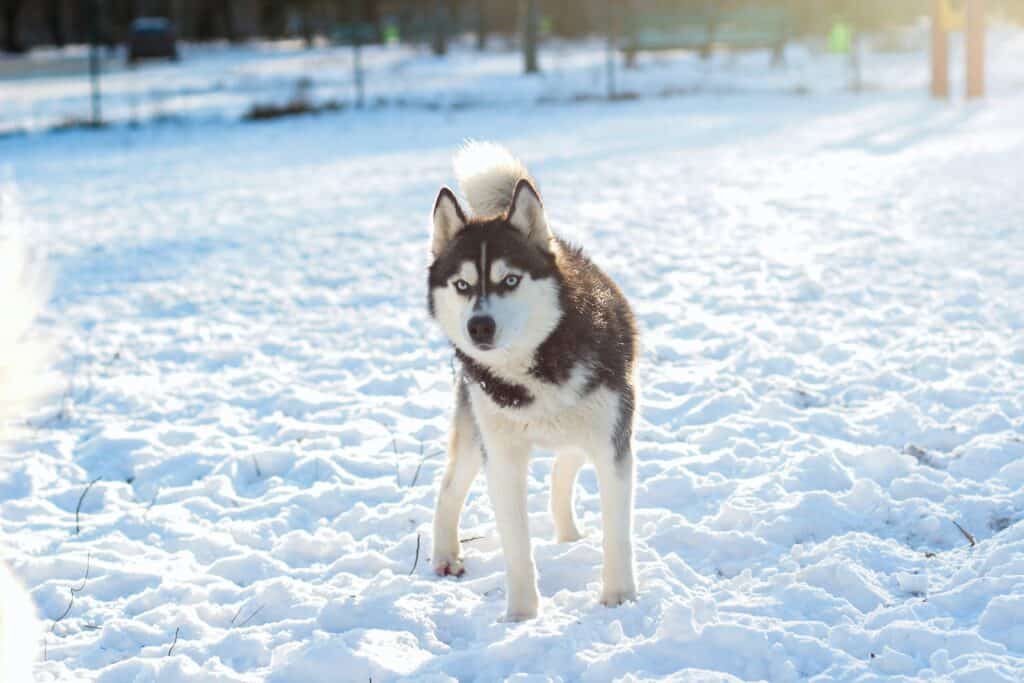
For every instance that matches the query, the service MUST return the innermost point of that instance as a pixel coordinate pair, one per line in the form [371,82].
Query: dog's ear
[527,214]
[448,220]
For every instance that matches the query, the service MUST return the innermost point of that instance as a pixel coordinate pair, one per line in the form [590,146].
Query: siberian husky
[547,346]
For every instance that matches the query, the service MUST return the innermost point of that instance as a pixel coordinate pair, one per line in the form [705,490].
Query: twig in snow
[967,534]
[68,390]
[423,459]
[248,618]
[398,471]
[78,508]
[416,561]
[171,648]
[470,539]
[256,464]
[71,602]
[923,457]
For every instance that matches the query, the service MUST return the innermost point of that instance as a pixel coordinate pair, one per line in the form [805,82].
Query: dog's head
[493,285]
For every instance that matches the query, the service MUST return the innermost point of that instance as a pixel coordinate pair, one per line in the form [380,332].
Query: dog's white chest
[559,414]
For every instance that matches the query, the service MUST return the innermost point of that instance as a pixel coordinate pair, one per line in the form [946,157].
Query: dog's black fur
[597,327]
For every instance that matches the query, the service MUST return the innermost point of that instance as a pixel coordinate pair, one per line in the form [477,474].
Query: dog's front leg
[464,458]
[615,481]
[507,470]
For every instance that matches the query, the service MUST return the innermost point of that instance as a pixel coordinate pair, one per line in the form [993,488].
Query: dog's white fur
[21,362]
[579,428]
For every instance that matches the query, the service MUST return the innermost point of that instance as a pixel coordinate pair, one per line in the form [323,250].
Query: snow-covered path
[831,293]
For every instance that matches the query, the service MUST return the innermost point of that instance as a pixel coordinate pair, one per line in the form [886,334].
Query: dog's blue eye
[461,285]
[511,281]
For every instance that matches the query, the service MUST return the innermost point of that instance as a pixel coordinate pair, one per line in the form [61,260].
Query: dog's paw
[517,616]
[570,536]
[449,566]
[614,598]
[524,606]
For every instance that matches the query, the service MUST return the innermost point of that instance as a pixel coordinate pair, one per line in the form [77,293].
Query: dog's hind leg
[615,472]
[563,483]
[465,455]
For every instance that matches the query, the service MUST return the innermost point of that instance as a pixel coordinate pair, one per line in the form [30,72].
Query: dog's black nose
[481,330]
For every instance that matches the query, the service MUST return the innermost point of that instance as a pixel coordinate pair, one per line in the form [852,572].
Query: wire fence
[54,89]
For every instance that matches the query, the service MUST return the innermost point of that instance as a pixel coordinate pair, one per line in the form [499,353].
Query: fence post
[439,43]
[940,53]
[610,47]
[530,31]
[481,25]
[356,16]
[975,48]
[94,62]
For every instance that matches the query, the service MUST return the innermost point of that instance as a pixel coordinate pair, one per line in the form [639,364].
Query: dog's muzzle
[481,330]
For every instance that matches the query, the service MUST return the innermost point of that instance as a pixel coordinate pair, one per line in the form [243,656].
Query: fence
[373,66]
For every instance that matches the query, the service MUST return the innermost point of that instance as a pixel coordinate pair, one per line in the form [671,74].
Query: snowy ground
[831,292]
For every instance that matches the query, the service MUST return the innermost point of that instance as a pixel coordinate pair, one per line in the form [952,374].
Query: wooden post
[531,27]
[940,53]
[481,25]
[975,48]
[356,19]
[94,62]
[439,44]
[610,52]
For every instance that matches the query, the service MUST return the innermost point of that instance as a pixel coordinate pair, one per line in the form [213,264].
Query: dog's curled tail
[488,175]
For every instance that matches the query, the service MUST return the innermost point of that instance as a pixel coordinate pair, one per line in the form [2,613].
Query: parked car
[152,38]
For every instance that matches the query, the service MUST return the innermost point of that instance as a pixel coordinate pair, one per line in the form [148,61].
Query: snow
[829,289]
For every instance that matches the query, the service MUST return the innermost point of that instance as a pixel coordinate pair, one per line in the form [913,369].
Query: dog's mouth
[484,346]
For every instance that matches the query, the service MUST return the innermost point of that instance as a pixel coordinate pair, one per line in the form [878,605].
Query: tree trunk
[307,24]
[229,21]
[55,21]
[307,29]
[940,54]
[206,21]
[481,25]
[11,9]
[439,45]
[531,21]
[975,49]
[272,19]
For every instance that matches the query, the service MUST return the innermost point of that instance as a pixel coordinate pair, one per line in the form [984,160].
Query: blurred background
[72,63]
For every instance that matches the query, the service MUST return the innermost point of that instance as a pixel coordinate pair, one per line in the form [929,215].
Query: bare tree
[272,19]
[55,21]
[229,21]
[11,10]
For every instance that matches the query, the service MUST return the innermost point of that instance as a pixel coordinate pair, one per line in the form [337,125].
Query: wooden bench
[690,27]
[355,33]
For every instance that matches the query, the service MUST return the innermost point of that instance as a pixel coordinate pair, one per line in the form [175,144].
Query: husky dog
[547,347]
[19,379]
